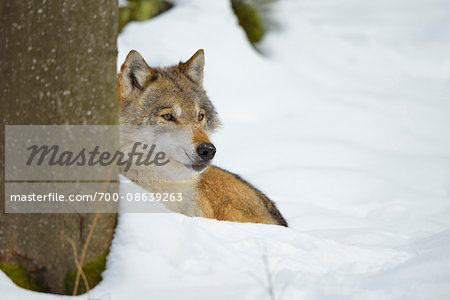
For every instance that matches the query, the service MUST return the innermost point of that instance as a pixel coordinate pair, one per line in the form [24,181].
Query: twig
[268,273]
[83,252]
[77,263]
[91,232]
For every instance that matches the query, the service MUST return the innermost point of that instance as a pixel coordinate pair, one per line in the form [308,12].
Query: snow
[344,122]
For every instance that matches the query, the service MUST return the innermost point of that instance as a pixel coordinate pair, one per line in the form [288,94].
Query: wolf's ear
[134,74]
[193,68]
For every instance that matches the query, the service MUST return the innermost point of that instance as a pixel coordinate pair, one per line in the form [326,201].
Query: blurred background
[338,110]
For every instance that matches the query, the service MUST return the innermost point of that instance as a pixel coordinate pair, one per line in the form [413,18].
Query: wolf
[173,96]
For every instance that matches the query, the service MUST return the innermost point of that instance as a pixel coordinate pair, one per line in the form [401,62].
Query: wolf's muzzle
[206,151]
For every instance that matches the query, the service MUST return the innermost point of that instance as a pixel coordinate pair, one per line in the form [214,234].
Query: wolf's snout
[206,151]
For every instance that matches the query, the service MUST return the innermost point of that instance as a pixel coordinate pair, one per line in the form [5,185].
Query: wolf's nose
[206,151]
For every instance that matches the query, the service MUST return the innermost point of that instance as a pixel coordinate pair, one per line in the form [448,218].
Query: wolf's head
[170,97]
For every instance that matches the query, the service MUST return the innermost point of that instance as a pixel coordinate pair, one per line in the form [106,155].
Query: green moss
[19,276]
[93,271]
[141,10]
[249,19]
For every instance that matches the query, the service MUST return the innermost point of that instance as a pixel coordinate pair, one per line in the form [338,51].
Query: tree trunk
[58,66]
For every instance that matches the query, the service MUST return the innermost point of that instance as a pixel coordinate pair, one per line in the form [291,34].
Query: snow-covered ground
[344,122]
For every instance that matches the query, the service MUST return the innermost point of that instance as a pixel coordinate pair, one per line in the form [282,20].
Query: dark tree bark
[58,66]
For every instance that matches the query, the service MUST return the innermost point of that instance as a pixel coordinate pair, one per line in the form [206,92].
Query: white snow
[344,122]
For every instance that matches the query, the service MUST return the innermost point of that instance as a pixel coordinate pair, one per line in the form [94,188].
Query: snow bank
[344,123]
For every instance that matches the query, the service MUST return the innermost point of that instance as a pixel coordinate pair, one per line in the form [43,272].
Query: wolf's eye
[201,116]
[168,117]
